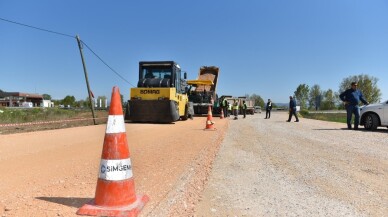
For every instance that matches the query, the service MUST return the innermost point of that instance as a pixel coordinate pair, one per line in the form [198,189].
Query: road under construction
[247,167]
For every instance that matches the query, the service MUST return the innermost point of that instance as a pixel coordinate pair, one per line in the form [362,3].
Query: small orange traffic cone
[209,121]
[115,191]
[222,113]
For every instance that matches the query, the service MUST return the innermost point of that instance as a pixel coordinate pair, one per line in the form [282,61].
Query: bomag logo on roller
[149,91]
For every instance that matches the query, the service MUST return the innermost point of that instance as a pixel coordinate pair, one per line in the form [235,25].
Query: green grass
[23,115]
[333,117]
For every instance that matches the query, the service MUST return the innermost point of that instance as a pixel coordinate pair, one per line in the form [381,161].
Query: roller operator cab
[160,95]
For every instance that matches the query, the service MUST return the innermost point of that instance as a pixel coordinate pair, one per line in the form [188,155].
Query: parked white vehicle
[27,105]
[374,115]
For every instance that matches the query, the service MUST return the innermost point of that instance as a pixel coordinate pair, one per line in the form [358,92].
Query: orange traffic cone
[209,121]
[222,113]
[115,191]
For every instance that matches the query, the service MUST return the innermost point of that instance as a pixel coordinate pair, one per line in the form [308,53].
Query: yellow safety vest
[235,106]
[224,102]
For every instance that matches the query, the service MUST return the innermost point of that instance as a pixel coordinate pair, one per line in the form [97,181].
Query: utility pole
[86,78]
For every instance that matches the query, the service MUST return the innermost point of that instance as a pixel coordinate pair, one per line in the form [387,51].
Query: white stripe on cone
[115,124]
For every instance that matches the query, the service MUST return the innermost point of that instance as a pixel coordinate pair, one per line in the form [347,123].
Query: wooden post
[86,78]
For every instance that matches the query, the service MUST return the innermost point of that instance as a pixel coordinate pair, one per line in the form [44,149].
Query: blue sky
[262,47]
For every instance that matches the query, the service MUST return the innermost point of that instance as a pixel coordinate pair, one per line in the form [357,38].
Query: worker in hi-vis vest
[229,109]
[235,109]
[244,108]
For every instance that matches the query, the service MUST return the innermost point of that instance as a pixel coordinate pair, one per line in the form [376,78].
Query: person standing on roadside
[292,110]
[244,108]
[235,109]
[229,109]
[268,109]
[351,98]
[224,106]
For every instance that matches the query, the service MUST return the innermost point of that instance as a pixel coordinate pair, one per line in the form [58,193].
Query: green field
[333,117]
[26,115]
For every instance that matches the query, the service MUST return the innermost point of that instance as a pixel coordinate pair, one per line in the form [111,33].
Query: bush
[304,112]
[334,117]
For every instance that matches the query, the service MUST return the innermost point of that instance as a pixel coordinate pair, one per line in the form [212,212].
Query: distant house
[16,99]
[47,104]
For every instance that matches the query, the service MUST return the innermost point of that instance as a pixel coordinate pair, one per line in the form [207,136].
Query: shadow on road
[67,201]
[333,129]
[359,130]
[382,130]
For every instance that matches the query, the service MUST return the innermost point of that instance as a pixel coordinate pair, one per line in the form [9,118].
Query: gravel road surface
[269,167]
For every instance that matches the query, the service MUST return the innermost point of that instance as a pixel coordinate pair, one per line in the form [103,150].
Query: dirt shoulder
[54,172]
[269,167]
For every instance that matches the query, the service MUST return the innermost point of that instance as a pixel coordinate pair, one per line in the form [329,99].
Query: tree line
[311,98]
[314,98]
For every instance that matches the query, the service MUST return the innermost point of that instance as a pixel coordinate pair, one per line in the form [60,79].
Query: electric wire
[106,63]
[41,29]
[67,35]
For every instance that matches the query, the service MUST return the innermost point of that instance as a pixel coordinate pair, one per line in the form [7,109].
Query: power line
[67,35]
[106,64]
[33,27]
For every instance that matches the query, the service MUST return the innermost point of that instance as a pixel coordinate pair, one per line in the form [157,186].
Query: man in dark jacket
[244,109]
[224,107]
[351,98]
[268,109]
[292,110]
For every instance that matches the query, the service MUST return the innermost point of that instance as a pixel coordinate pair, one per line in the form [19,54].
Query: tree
[81,104]
[56,101]
[329,101]
[315,97]
[84,103]
[367,84]
[302,95]
[257,99]
[46,96]
[69,100]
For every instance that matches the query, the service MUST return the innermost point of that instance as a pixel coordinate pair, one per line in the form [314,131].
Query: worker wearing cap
[351,98]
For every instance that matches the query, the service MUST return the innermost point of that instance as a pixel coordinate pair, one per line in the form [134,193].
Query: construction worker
[244,108]
[224,105]
[229,109]
[235,109]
